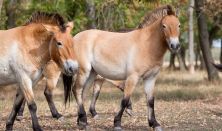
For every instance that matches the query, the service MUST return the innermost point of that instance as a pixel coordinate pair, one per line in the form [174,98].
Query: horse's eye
[59,44]
[179,26]
[164,26]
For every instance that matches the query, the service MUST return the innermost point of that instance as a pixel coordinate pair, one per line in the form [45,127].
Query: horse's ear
[69,27]
[170,10]
[48,28]
[177,12]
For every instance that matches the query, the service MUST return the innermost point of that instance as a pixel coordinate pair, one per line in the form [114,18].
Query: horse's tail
[67,83]
[218,66]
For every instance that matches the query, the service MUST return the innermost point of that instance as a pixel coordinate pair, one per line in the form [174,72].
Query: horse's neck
[155,40]
[37,46]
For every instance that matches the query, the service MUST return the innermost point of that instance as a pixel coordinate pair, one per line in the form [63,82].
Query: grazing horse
[130,56]
[26,50]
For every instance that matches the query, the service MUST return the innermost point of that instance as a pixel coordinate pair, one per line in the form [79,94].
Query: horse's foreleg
[51,73]
[50,85]
[96,90]
[82,80]
[149,89]
[26,87]
[17,104]
[130,84]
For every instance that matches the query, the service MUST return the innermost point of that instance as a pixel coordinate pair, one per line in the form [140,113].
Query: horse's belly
[6,76]
[110,71]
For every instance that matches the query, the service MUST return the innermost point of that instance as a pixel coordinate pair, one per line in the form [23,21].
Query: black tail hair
[67,83]
[218,66]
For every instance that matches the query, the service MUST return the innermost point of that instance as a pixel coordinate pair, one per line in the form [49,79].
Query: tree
[91,14]
[1,2]
[204,40]
[10,13]
[191,37]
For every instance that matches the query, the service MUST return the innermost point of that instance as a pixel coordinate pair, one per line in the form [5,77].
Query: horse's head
[171,29]
[61,48]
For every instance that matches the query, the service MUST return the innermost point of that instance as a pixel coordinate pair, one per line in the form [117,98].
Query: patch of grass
[184,86]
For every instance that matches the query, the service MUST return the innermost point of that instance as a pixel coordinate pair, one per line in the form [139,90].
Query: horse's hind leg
[96,90]
[121,85]
[149,88]
[130,84]
[17,104]
[20,112]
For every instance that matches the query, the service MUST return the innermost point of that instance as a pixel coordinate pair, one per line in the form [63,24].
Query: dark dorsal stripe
[47,18]
[155,15]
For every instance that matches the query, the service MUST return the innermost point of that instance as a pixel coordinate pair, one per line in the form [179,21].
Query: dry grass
[184,102]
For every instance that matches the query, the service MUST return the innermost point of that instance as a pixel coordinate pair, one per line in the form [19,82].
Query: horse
[26,50]
[130,56]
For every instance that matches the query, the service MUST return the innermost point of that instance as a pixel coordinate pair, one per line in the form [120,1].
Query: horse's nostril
[171,46]
[178,46]
[71,69]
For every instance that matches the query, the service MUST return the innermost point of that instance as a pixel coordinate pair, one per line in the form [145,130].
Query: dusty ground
[184,102]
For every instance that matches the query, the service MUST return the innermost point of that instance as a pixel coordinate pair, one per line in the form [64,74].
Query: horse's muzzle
[70,67]
[174,45]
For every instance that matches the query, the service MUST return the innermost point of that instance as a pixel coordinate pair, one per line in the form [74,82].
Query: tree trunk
[221,51]
[202,62]
[91,14]
[1,2]
[181,59]
[10,13]
[183,55]
[191,39]
[172,62]
[204,40]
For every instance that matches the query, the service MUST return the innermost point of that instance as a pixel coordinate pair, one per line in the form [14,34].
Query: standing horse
[26,50]
[126,56]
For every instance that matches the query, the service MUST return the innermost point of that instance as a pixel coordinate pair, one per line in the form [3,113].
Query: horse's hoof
[117,128]
[129,112]
[96,117]
[158,128]
[61,119]
[82,125]
[19,118]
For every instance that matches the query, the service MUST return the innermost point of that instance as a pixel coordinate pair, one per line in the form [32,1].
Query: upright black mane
[47,18]
[155,15]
